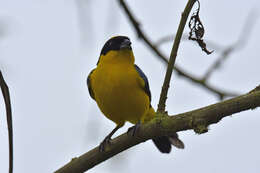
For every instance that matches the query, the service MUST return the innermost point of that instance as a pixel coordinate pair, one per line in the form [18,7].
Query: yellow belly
[119,94]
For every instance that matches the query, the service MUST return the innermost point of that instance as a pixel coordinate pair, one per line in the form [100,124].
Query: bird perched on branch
[121,91]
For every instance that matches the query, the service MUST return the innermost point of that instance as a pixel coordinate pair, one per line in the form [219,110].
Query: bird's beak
[126,44]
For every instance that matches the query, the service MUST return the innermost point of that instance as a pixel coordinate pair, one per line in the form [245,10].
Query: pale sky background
[47,49]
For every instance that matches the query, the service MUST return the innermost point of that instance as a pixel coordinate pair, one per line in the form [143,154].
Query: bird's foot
[103,144]
[132,131]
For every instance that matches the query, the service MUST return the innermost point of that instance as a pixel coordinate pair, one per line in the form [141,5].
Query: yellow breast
[119,93]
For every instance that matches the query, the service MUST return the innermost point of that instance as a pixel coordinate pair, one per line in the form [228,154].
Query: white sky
[47,49]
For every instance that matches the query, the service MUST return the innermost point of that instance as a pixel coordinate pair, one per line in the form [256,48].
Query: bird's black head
[116,43]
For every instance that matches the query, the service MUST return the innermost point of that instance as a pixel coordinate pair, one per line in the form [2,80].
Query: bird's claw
[132,131]
[103,144]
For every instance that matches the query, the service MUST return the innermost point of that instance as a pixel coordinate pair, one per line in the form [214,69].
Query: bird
[121,91]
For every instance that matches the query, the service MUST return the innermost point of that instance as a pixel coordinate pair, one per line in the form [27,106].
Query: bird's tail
[164,143]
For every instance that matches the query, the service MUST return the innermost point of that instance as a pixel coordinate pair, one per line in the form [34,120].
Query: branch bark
[162,125]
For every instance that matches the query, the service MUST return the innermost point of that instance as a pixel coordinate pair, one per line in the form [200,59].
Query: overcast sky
[47,49]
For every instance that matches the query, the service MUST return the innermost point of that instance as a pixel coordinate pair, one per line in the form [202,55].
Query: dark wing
[91,93]
[146,86]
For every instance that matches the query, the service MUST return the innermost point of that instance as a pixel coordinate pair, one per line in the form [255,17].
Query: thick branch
[165,125]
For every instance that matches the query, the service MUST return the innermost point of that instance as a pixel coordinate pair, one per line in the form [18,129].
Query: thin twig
[198,120]
[175,47]
[168,38]
[221,94]
[224,55]
[185,37]
[6,95]
[161,56]
[238,45]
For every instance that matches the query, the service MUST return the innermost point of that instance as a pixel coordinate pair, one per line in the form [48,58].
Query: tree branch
[140,33]
[6,95]
[162,125]
[185,37]
[175,47]
[238,45]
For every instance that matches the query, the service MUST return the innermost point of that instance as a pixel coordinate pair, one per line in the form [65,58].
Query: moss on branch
[197,120]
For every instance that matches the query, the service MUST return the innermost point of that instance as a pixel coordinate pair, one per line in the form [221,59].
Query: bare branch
[162,125]
[238,45]
[6,95]
[224,55]
[175,47]
[221,94]
[161,56]
[185,37]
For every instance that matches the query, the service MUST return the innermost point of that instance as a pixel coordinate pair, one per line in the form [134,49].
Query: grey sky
[48,49]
